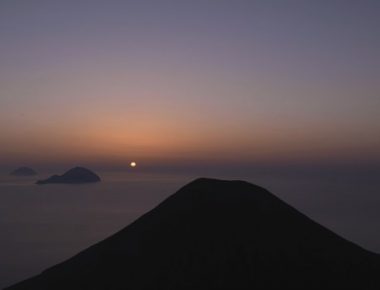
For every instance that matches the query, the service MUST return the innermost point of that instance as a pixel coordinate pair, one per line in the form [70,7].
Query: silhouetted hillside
[74,175]
[215,234]
[23,171]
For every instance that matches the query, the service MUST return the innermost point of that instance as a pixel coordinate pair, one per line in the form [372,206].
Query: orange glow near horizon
[112,139]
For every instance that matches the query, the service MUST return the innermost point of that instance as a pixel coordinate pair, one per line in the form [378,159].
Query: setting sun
[133,164]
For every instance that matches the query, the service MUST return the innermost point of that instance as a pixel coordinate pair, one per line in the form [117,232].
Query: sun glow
[133,164]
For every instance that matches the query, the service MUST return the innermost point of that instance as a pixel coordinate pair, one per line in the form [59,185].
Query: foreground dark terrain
[215,234]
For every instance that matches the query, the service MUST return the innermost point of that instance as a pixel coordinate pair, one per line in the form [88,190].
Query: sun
[133,164]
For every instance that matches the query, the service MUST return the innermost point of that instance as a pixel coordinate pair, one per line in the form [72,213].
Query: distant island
[73,176]
[23,171]
[215,234]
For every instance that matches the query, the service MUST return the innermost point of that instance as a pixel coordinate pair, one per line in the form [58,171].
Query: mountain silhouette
[23,171]
[215,234]
[74,175]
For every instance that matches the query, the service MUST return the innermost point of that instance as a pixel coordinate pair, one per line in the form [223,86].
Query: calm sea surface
[44,225]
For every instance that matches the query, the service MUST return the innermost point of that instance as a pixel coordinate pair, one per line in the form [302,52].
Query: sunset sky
[196,81]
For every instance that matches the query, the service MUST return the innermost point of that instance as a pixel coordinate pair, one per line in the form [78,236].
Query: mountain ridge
[214,234]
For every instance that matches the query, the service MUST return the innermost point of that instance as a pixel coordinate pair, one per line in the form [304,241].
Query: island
[23,171]
[75,175]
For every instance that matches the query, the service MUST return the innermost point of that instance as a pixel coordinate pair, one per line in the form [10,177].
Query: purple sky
[189,81]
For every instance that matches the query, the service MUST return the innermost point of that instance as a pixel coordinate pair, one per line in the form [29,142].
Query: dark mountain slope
[216,234]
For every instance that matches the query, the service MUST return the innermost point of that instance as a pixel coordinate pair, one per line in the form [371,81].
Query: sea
[42,225]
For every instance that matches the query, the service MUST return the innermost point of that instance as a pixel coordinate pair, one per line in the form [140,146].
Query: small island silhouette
[74,175]
[215,234]
[23,171]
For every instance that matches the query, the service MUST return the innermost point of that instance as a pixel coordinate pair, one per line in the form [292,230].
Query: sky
[180,83]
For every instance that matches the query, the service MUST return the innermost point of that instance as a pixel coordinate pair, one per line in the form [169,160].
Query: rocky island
[23,171]
[73,176]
